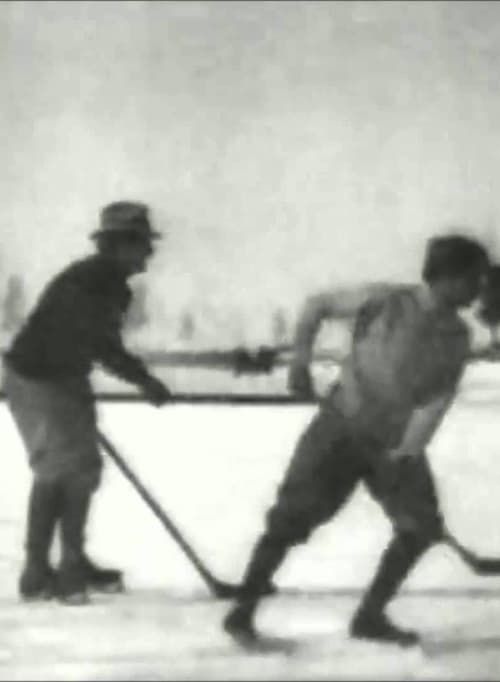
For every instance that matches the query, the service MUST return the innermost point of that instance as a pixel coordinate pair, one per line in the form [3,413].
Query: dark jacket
[75,323]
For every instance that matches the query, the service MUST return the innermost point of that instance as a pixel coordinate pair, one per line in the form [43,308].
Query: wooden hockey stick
[481,565]
[218,587]
[211,398]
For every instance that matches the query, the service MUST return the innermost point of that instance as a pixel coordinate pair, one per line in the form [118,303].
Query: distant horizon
[282,147]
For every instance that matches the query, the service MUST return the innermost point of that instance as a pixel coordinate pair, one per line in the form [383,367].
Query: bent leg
[412,507]
[319,479]
[398,559]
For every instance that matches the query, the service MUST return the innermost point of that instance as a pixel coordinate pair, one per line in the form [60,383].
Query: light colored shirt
[405,354]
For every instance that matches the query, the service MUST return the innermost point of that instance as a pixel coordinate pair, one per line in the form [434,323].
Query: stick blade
[487,566]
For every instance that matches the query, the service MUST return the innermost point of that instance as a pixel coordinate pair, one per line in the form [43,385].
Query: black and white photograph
[250,340]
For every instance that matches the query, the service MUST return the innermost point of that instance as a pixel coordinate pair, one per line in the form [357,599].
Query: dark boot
[72,584]
[72,578]
[37,580]
[266,558]
[370,622]
[239,622]
[107,580]
[376,626]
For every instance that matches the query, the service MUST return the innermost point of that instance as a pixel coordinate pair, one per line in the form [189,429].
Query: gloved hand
[300,381]
[155,391]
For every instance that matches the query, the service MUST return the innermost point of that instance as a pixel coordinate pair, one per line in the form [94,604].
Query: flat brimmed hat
[126,217]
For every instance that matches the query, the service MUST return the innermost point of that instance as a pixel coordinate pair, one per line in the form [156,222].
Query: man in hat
[75,324]
[408,351]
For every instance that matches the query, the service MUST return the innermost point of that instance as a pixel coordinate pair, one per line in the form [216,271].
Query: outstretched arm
[339,304]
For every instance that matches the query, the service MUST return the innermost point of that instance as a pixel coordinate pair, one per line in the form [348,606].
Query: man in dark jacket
[75,324]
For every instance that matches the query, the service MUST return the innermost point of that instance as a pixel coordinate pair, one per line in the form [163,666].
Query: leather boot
[109,580]
[72,578]
[37,580]
[370,621]
[266,558]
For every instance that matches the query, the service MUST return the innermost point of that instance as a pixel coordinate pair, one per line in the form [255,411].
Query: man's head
[455,267]
[125,235]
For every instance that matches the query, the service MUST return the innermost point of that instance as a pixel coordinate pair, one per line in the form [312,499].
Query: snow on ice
[215,470]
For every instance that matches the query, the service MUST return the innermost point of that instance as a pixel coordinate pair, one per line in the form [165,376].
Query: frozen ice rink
[215,470]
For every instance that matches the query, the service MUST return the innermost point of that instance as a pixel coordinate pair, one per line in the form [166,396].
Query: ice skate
[239,626]
[72,586]
[107,580]
[379,628]
[37,583]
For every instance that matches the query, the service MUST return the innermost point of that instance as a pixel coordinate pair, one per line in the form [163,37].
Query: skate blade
[398,641]
[78,599]
[115,588]
[262,644]
[487,567]
[38,597]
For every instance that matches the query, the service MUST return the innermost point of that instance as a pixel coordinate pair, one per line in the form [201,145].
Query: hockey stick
[219,588]
[481,565]
[227,398]
[200,398]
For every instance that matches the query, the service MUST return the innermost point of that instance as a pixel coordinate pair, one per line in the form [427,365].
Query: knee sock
[44,509]
[76,503]
[398,559]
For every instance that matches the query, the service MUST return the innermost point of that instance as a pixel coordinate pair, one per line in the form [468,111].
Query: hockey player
[345,303]
[408,351]
[75,324]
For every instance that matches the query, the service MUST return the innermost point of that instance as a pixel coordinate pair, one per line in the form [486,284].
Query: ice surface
[215,469]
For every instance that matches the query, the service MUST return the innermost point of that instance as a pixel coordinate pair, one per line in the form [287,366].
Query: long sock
[76,505]
[44,508]
[396,562]
[266,558]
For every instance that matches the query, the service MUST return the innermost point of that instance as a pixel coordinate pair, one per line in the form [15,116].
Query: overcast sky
[283,146]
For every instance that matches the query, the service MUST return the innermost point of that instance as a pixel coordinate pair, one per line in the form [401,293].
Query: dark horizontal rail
[205,398]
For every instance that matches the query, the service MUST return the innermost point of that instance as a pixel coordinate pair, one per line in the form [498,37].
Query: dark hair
[452,256]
